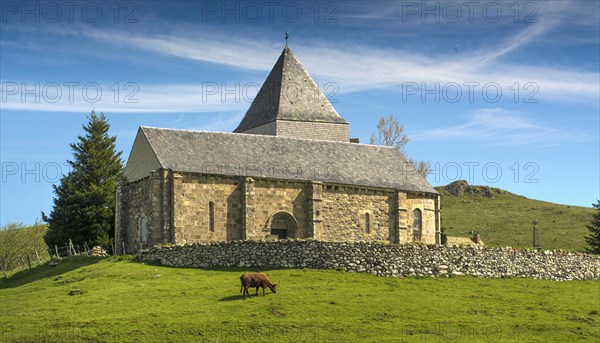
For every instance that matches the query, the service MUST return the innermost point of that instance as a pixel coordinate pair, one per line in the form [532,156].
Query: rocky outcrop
[460,187]
[457,188]
[381,259]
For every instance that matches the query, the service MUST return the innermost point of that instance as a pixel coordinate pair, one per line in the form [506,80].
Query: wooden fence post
[38,255]
[68,248]
[123,246]
[72,247]
[56,249]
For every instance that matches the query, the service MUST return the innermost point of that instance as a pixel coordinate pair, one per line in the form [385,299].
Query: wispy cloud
[359,67]
[500,127]
[182,98]
[364,67]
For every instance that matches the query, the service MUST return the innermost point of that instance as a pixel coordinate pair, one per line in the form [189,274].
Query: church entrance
[283,225]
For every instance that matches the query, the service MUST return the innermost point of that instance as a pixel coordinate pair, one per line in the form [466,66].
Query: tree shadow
[44,271]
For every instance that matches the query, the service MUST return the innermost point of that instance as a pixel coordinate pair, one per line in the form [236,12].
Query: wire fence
[35,257]
[29,260]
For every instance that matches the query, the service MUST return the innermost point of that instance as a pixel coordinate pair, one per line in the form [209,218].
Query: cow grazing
[256,280]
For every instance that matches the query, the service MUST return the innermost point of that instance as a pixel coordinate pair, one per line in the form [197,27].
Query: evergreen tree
[84,205]
[594,238]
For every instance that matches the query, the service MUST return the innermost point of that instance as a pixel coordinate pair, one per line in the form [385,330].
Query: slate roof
[289,93]
[283,158]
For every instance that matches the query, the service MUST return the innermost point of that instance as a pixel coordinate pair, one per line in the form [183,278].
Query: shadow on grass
[221,268]
[232,298]
[44,270]
[241,297]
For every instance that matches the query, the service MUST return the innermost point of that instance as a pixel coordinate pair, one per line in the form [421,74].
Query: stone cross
[477,238]
[536,236]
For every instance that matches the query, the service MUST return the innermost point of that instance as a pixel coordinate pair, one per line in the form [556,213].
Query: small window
[417,220]
[367,222]
[211,216]
[143,227]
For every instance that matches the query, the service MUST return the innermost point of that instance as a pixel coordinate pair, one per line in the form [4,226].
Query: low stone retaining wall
[383,260]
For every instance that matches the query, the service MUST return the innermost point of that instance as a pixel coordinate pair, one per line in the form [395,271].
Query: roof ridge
[290,158]
[267,136]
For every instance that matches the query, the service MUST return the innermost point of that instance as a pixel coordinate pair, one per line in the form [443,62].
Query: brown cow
[256,280]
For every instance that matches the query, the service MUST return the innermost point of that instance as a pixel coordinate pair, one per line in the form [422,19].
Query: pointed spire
[289,94]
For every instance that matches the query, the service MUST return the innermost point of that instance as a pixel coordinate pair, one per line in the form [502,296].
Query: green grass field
[125,301]
[506,220]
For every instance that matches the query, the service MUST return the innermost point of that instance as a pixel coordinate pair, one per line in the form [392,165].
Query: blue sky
[498,93]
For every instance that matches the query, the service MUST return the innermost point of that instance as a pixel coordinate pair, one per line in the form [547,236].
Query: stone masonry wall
[383,260]
[269,197]
[313,130]
[177,210]
[410,202]
[192,195]
[266,129]
[344,209]
[146,198]
[307,130]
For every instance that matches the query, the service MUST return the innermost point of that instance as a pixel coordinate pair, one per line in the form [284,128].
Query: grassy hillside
[506,219]
[126,301]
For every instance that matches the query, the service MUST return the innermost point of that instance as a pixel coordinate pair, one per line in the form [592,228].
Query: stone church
[289,170]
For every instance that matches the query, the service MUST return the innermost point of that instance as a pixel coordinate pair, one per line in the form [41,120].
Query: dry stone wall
[381,259]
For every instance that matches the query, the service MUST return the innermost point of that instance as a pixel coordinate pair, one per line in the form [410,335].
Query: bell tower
[290,104]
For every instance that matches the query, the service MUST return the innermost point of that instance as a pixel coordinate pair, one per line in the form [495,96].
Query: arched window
[416,220]
[143,227]
[211,216]
[367,222]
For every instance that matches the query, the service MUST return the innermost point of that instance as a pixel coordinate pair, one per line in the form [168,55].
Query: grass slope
[123,301]
[506,219]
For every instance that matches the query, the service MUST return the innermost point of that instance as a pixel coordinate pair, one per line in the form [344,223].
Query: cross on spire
[286,38]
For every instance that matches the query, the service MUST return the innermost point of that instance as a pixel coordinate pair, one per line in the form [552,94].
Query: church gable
[142,159]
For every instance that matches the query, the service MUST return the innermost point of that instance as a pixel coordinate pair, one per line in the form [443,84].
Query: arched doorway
[283,225]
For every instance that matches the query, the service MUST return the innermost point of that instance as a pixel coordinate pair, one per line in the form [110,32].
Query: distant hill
[505,219]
